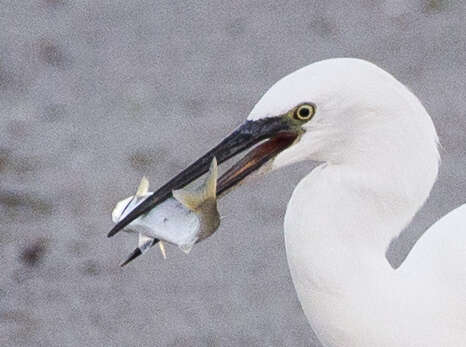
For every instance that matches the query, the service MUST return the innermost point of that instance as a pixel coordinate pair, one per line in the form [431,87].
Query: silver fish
[182,220]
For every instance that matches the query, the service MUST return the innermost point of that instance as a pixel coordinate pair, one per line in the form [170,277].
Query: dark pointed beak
[279,135]
[136,253]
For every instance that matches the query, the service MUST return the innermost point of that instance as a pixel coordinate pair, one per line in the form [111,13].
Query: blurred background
[95,94]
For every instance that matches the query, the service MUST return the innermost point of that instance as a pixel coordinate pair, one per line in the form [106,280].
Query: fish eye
[304,112]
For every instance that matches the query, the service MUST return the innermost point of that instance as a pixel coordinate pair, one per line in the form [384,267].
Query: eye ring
[304,112]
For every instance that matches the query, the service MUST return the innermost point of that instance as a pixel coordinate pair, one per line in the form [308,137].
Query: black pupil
[304,112]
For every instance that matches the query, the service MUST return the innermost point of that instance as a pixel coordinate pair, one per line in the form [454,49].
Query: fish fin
[186,249]
[190,200]
[162,249]
[193,199]
[143,187]
[210,186]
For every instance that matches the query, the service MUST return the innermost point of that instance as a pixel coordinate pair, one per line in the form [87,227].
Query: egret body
[379,151]
[379,159]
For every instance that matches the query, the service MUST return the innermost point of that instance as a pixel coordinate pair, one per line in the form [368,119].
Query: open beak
[279,135]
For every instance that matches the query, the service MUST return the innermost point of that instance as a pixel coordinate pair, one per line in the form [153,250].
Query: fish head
[125,206]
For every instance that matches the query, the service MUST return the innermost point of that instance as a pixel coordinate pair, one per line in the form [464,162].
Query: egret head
[340,111]
[361,114]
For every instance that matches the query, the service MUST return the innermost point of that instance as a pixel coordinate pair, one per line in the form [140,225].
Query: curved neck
[338,225]
[350,209]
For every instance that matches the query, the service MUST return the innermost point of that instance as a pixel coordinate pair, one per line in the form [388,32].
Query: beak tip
[113,232]
[136,253]
[125,263]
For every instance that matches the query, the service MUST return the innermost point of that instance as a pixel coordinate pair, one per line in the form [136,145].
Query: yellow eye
[304,112]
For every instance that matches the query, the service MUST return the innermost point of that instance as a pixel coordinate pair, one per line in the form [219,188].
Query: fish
[189,216]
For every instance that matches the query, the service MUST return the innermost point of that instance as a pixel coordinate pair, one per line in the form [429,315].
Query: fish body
[170,221]
[182,220]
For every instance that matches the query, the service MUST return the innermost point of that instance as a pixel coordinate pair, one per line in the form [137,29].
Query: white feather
[379,149]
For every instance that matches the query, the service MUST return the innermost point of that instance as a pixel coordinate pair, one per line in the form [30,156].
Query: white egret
[378,147]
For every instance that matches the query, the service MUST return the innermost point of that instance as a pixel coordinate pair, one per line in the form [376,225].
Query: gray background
[94,94]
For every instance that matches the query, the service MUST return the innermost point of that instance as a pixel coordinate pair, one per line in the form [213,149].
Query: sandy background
[94,94]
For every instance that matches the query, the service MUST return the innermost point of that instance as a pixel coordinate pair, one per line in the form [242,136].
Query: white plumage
[379,152]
